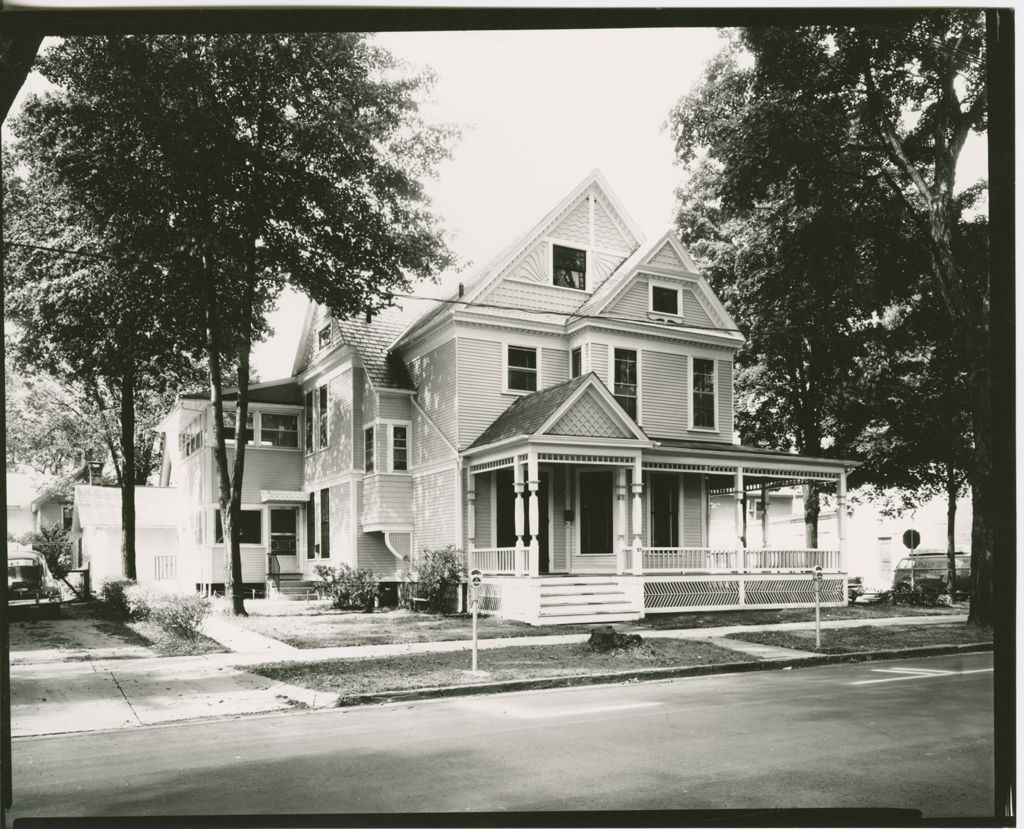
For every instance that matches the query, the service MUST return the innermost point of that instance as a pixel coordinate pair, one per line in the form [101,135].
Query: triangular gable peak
[591,411]
[665,264]
[590,219]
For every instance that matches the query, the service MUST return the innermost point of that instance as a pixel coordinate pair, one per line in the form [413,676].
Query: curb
[654,674]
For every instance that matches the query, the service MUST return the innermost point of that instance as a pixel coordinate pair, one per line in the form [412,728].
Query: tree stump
[605,638]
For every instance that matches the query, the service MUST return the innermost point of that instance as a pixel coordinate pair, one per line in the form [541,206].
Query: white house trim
[690,427]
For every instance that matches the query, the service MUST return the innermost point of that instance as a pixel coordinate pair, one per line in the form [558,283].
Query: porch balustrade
[497,561]
[675,559]
[805,559]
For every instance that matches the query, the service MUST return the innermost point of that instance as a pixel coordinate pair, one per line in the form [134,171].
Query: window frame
[218,528]
[321,341]
[308,422]
[391,446]
[259,434]
[691,425]
[324,549]
[586,265]
[505,368]
[369,449]
[323,416]
[230,430]
[652,283]
[611,373]
[575,357]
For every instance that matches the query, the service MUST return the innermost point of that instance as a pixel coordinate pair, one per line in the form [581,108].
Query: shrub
[920,595]
[349,586]
[437,574]
[112,594]
[55,545]
[140,599]
[180,614]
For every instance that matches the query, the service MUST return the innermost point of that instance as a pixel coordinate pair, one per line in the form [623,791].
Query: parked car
[29,583]
[858,591]
[931,568]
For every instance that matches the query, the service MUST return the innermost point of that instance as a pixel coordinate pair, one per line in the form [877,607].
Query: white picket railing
[805,559]
[496,561]
[675,559]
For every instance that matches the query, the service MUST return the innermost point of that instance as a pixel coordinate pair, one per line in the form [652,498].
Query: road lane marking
[533,714]
[925,671]
[919,676]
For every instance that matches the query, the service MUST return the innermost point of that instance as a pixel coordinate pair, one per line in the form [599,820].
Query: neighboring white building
[20,492]
[96,532]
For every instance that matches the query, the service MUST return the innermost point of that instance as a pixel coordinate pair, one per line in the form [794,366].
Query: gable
[633,303]
[666,257]
[588,418]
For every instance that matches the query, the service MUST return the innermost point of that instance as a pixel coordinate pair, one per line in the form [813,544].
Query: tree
[896,103]
[260,161]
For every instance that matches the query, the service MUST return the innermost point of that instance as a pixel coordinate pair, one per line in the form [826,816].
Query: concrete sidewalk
[61,697]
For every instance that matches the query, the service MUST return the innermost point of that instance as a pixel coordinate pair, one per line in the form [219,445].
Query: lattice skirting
[490,597]
[662,595]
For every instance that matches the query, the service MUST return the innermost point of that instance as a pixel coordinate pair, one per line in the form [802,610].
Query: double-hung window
[626,380]
[230,419]
[399,448]
[576,362]
[308,417]
[368,453]
[703,393]
[522,368]
[322,412]
[279,430]
[569,267]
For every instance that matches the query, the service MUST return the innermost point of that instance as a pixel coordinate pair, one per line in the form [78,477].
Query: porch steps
[292,588]
[585,600]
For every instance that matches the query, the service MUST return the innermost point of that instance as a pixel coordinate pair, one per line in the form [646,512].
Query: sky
[538,111]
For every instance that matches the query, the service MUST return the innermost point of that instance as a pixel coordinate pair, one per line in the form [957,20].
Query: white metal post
[533,483]
[620,537]
[471,514]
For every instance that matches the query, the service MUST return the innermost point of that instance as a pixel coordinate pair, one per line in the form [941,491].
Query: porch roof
[752,451]
[285,390]
[527,414]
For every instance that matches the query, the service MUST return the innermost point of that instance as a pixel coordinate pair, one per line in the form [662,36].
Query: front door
[664,494]
[505,521]
[596,512]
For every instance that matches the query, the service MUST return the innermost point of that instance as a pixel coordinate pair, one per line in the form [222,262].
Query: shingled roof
[279,391]
[371,340]
[528,413]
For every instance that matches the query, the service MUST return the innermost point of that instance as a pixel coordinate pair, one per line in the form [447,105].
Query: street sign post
[817,607]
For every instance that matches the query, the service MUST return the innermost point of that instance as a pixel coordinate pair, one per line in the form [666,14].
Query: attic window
[324,337]
[665,300]
[569,267]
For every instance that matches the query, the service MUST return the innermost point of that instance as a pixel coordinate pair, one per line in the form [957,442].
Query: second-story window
[626,380]
[279,430]
[522,369]
[323,338]
[576,362]
[322,413]
[368,447]
[229,427]
[308,414]
[191,438]
[399,448]
[703,393]
[569,267]
[665,300]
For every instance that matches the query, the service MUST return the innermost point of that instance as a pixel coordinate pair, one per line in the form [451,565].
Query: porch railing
[673,559]
[497,561]
[805,559]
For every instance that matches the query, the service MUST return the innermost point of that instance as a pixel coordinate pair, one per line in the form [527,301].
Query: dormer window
[324,337]
[666,301]
[569,267]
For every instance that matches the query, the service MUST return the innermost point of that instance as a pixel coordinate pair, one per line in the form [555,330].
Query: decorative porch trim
[562,457]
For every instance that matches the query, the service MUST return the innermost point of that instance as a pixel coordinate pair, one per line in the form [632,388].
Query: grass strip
[870,637]
[354,677]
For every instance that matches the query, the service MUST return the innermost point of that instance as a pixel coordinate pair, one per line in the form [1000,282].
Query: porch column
[841,518]
[764,517]
[620,536]
[741,517]
[471,513]
[517,482]
[533,482]
[638,518]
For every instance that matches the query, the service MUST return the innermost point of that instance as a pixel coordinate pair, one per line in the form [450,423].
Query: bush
[55,545]
[438,574]
[180,614]
[920,595]
[112,594]
[349,587]
[140,599]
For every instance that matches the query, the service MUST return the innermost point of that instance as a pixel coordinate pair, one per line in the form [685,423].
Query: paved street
[908,733]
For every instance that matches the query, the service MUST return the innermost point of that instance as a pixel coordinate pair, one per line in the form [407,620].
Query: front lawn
[350,677]
[321,626]
[870,638]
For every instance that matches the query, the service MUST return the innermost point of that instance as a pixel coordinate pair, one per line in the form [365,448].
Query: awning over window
[283,496]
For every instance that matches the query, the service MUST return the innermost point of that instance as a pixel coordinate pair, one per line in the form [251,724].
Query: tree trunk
[128,473]
[951,491]
[812,508]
